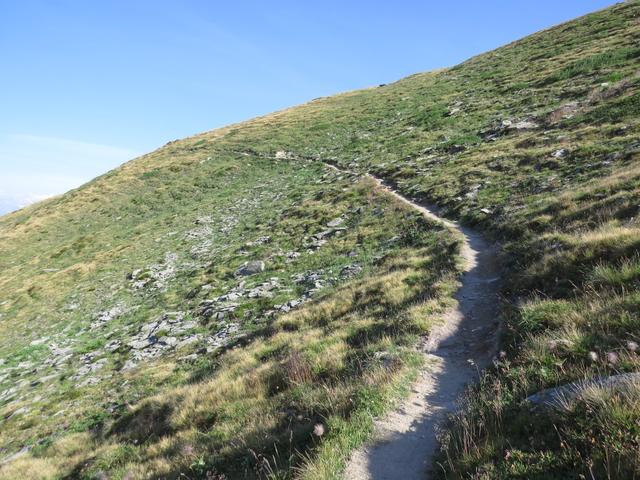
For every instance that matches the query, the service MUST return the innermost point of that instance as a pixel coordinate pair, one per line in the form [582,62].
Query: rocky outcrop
[562,396]
[250,268]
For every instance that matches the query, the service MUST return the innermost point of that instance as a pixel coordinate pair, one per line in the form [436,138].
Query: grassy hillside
[133,345]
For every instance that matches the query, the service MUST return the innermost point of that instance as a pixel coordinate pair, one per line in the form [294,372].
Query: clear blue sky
[87,85]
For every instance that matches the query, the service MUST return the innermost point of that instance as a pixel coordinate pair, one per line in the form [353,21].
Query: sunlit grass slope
[158,241]
[536,144]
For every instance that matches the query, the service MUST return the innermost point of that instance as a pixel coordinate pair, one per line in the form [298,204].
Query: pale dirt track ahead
[405,440]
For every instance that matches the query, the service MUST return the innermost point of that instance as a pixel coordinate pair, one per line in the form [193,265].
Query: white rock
[335,222]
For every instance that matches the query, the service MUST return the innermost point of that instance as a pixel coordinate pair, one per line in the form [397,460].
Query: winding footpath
[405,441]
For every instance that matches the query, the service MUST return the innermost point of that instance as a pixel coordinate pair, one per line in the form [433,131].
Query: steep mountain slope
[120,353]
[136,341]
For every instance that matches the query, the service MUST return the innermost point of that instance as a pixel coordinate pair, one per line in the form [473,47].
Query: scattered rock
[59,356]
[310,279]
[48,378]
[259,241]
[90,365]
[113,345]
[317,240]
[203,220]
[158,274]
[160,336]
[19,411]
[499,129]
[25,365]
[291,304]
[90,381]
[72,306]
[455,148]
[265,290]
[473,191]
[22,452]
[143,343]
[203,230]
[211,309]
[548,165]
[250,268]
[387,360]
[565,112]
[102,318]
[521,125]
[560,397]
[188,340]
[496,166]
[350,270]
[335,222]
[222,337]
[128,365]
[169,341]
[291,256]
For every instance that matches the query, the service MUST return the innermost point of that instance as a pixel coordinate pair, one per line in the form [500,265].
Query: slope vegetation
[228,305]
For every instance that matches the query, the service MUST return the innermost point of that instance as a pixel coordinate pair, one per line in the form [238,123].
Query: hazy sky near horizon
[86,86]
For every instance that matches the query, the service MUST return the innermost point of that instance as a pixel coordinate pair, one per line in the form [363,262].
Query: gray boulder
[561,397]
[250,268]
[335,222]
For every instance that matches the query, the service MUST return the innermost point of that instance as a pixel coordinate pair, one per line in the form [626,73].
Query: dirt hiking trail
[404,441]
